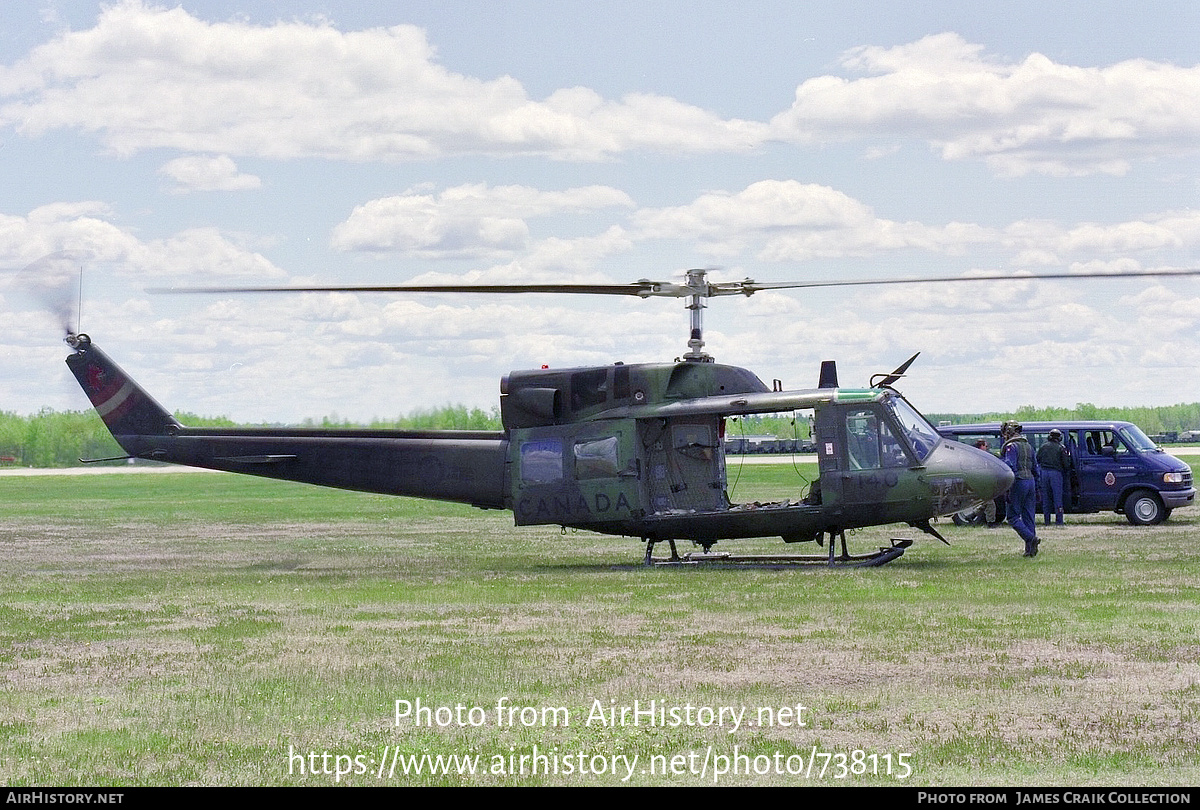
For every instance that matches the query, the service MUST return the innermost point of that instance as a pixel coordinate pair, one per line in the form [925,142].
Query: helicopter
[623,449]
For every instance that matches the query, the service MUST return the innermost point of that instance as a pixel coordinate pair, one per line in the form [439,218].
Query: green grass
[198,629]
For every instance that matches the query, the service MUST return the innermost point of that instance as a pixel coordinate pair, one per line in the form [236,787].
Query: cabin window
[596,458]
[694,441]
[541,461]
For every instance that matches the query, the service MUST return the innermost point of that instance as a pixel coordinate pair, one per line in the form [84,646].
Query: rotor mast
[695,289]
[696,305]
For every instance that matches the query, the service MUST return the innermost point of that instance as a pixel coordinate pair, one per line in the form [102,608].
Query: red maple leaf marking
[97,378]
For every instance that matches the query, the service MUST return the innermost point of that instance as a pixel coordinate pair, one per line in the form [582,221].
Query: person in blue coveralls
[1054,461]
[1022,497]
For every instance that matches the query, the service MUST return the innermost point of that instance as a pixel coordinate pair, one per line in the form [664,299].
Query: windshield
[1134,437]
[921,435]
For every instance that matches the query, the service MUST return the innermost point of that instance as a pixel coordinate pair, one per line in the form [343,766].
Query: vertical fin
[127,410]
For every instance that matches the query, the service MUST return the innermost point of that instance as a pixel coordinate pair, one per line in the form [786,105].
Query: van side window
[1103,443]
[993,442]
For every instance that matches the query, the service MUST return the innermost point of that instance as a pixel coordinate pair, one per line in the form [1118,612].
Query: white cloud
[789,221]
[205,173]
[547,261]
[147,77]
[83,229]
[1166,231]
[784,220]
[1171,235]
[1035,116]
[463,221]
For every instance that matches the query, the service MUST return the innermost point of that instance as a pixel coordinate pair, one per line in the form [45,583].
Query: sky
[281,142]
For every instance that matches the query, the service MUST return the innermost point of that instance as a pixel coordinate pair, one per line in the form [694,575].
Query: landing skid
[717,559]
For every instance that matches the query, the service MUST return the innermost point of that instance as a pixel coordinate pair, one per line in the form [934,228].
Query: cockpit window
[870,444]
[922,437]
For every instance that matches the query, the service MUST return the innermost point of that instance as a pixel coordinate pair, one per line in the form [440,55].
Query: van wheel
[1143,508]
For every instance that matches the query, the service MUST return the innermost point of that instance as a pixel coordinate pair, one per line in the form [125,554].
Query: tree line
[60,438]
[52,438]
[1161,419]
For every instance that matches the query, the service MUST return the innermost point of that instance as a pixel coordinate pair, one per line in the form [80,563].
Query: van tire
[1144,508]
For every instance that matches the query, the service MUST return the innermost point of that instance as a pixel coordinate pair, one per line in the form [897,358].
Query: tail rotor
[55,281]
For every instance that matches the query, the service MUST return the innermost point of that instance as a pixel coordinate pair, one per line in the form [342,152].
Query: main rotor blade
[645,288]
[754,286]
[641,288]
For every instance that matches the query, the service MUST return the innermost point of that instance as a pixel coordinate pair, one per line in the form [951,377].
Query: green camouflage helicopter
[633,450]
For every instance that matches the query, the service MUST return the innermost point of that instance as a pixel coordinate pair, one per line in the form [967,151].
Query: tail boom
[461,466]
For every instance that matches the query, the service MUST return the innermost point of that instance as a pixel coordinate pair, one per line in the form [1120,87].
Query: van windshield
[921,435]
[1138,440]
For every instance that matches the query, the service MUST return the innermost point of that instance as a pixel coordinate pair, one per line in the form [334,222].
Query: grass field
[210,629]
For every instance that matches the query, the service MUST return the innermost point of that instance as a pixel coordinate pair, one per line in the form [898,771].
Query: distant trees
[53,439]
[447,417]
[1178,418]
[60,438]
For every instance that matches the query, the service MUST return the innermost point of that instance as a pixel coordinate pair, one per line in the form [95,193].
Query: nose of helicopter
[983,476]
[992,477]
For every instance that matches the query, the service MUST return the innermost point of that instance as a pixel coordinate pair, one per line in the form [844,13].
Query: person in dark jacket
[1022,496]
[1055,462]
